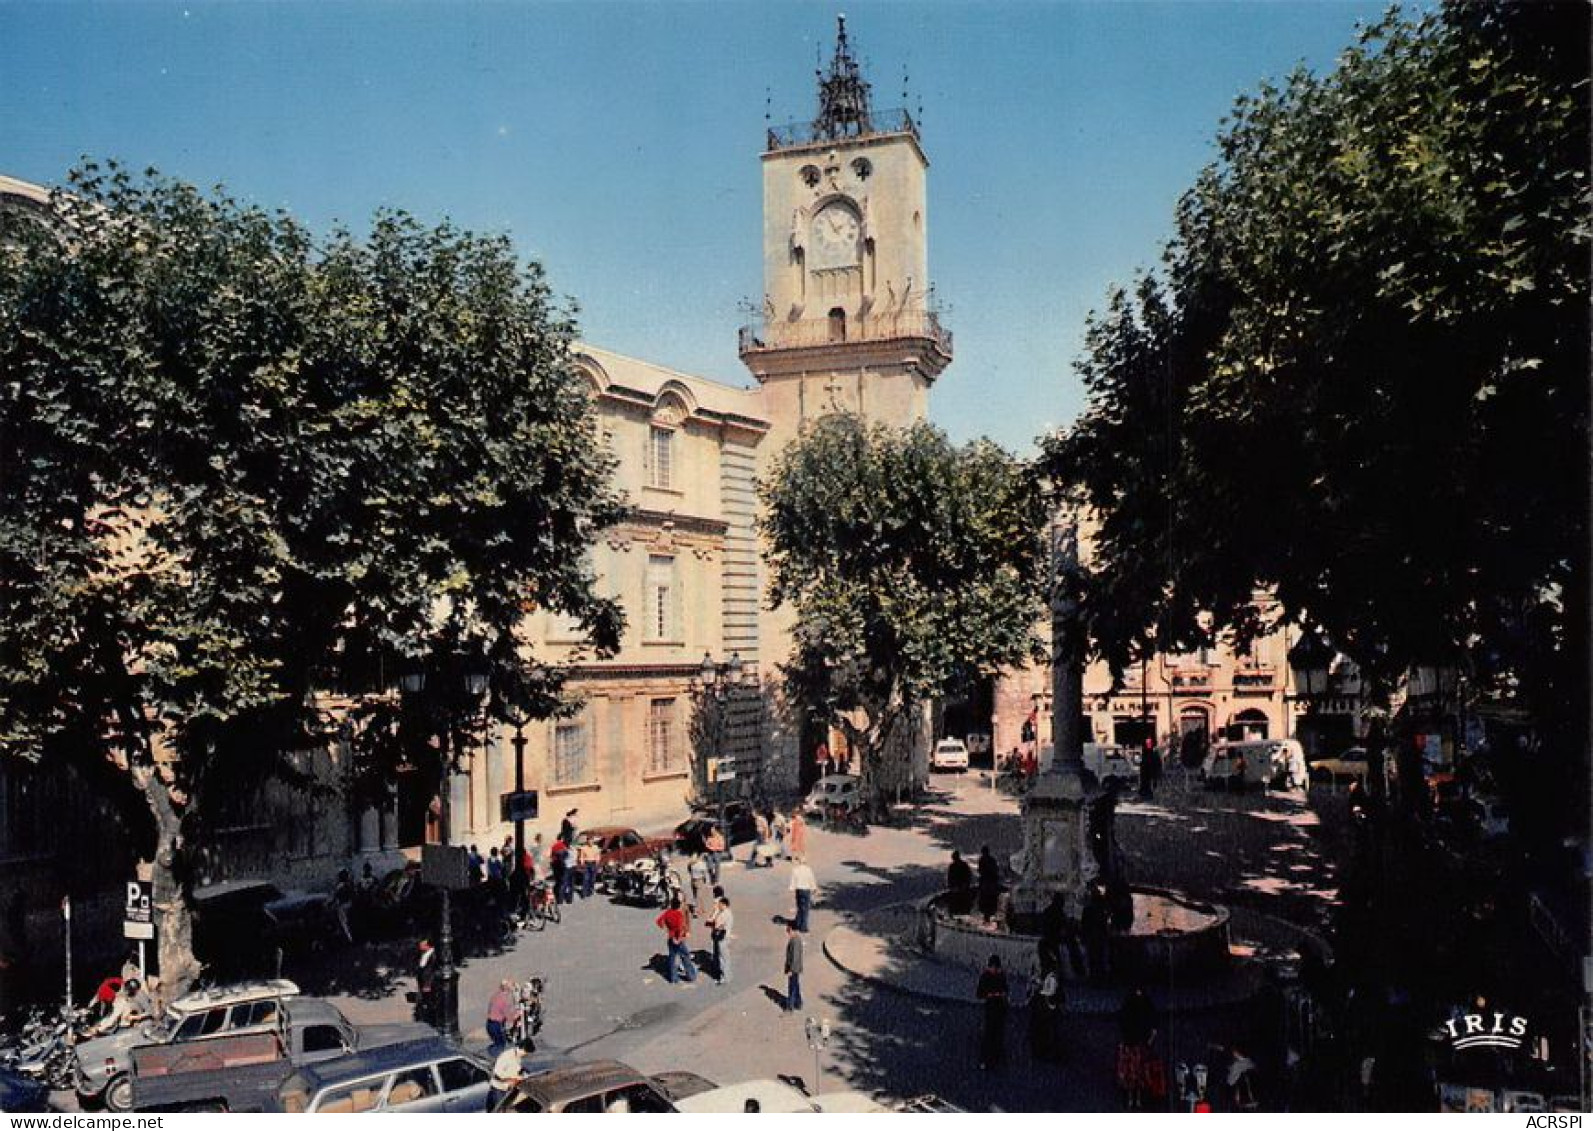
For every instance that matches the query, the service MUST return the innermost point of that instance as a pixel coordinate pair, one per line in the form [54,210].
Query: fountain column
[1055,859]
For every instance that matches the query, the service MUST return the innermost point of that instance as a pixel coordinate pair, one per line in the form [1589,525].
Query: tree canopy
[244,466]
[910,563]
[1360,379]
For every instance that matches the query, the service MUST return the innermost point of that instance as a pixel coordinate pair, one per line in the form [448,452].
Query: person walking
[804,884]
[760,837]
[478,866]
[720,923]
[1139,1072]
[992,993]
[501,1010]
[697,875]
[989,884]
[793,968]
[677,933]
[567,826]
[777,826]
[796,840]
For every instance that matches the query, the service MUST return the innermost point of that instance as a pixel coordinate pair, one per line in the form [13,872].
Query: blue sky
[618,142]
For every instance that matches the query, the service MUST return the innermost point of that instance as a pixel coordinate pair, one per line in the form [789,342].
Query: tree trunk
[174,931]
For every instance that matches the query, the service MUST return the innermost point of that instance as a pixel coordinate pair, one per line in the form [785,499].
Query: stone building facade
[1215,693]
[848,325]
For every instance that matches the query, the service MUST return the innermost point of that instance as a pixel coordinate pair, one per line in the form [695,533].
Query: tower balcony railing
[798,134]
[808,332]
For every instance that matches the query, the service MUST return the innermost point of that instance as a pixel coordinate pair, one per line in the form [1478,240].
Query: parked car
[1354,764]
[19,1093]
[239,925]
[601,1086]
[775,1096]
[104,1064]
[949,754]
[843,791]
[621,846]
[242,1072]
[735,819]
[432,1074]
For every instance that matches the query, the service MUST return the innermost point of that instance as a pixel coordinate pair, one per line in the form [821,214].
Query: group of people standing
[676,920]
[569,866]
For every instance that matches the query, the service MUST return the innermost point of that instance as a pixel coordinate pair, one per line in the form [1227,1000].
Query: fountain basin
[1173,937]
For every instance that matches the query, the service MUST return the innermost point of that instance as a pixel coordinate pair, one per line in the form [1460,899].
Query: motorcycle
[43,1050]
[528,1014]
[648,880]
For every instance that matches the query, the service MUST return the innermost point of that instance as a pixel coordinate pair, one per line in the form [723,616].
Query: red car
[622,846]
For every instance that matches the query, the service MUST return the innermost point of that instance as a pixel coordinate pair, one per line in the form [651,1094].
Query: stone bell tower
[848,319]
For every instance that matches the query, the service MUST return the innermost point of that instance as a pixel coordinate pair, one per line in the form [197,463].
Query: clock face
[835,237]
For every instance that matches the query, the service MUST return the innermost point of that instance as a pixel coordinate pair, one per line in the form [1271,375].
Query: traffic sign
[520,806]
[445,866]
[138,917]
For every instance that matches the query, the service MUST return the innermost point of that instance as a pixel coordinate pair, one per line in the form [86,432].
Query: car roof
[234,889]
[572,1083]
[773,1096]
[383,1058]
[235,992]
[838,779]
[312,1011]
[608,830]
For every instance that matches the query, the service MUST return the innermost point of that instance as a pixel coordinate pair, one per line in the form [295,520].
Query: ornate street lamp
[474,679]
[1310,660]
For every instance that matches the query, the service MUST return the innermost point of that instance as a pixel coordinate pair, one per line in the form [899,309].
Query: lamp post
[518,717]
[412,683]
[1310,660]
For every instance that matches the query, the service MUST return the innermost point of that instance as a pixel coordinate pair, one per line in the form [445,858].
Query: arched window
[838,325]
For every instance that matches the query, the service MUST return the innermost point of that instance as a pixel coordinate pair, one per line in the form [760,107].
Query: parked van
[1112,764]
[1277,763]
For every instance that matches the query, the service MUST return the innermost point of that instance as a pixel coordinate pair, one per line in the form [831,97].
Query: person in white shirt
[805,886]
[507,1072]
[720,923]
[131,1006]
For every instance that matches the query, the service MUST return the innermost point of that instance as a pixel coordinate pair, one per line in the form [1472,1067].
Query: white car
[950,754]
[835,791]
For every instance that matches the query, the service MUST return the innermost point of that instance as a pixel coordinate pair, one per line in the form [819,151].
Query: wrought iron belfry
[843,93]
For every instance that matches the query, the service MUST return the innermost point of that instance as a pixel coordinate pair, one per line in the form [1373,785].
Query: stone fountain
[1069,846]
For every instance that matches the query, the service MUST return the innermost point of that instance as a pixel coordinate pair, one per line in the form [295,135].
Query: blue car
[20,1093]
[429,1075]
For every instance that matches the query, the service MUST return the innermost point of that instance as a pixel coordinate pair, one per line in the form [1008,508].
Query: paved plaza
[1269,858]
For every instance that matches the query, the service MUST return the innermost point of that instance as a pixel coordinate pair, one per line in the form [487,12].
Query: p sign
[138,918]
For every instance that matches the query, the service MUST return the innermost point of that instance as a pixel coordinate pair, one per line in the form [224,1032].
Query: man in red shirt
[678,930]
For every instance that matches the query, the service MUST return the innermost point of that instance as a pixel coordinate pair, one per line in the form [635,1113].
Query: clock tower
[848,323]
